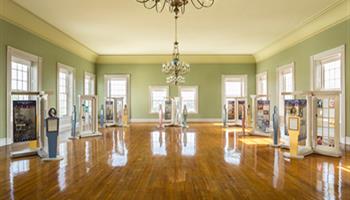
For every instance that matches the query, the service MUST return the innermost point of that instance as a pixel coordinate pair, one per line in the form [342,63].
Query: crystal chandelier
[176,69]
[175,6]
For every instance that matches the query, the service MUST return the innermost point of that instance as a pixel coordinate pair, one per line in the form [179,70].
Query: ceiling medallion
[175,6]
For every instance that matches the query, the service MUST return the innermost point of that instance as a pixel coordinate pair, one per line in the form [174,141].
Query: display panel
[297,108]
[24,121]
[109,111]
[241,107]
[231,109]
[325,121]
[167,109]
[263,115]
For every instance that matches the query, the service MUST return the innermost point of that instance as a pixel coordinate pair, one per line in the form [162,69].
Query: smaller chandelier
[175,6]
[176,69]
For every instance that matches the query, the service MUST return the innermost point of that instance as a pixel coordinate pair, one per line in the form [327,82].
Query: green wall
[300,55]
[206,76]
[51,54]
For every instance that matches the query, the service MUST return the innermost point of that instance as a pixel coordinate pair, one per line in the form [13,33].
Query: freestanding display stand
[161,117]
[276,125]
[234,110]
[175,112]
[88,122]
[102,115]
[321,124]
[294,133]
[125,116]
[74,124]
[28,123]
[52,130]
[261,115]
[184,117]
[224,117]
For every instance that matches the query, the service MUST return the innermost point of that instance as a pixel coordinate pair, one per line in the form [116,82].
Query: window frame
[93,79]
[280,69]
[107,77]
[150,90]
[314,81]
[196,90]
[244,79]
[36,64]
[71,89]
[258,82]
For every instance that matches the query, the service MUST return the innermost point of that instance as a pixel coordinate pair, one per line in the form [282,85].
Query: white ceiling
[124,27]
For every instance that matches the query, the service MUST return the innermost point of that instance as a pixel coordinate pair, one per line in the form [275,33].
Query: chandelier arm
[162,7]
[142,1]
[149,7]
[202,4]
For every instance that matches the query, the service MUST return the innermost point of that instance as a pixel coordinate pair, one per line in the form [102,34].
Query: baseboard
[342,140]
[189,120]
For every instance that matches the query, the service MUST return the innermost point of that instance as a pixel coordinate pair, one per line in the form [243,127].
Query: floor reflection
[232,153]
[62,166]
[158,143]
[326,179]
[119,155]
[188,143]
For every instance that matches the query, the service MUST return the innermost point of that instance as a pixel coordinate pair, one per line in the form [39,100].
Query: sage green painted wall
[300,54]
[51,54]
[206,76]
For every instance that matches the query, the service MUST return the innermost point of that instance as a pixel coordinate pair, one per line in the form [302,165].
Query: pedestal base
[288,155]
[95,134]
[53,159]
[24,153]
[275,145]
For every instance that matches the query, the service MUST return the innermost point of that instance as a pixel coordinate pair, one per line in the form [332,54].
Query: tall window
[234,86]
[117,86]
[261,84]
[189,97]
[328,74]
[65,90]
[158,94]
[22,76]
[89,84]
[285,84]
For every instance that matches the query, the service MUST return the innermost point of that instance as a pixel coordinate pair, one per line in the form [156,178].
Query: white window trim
[320,56]
[127,76]
[150,89]
[257,82]
[86,74]
[66,118]
[244,77]
[196,96]
[11,51]
[278,72]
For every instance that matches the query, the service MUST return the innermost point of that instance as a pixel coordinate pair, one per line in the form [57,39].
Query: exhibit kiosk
[297,104]
[52,130]
[261,122]
[88,120]
[235,110]
[114,111]
[319,130]
[28,123]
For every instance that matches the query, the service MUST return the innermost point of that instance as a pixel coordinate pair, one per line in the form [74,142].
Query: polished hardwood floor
[203,162]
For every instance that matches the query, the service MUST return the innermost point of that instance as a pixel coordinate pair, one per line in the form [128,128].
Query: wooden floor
[205,162]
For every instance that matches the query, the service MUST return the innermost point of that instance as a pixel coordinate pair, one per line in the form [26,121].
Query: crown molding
[333,15]
[19,16]
[159,59]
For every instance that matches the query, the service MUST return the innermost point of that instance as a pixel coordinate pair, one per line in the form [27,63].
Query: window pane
[331,75]
[157,97]
[233,88]
[189,98]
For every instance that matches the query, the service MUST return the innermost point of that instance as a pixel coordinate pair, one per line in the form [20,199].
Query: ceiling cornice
[333,15]
[17,15]
[192,59]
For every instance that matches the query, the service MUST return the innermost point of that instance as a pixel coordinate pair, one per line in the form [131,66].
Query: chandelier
[176,69]
[175,6]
